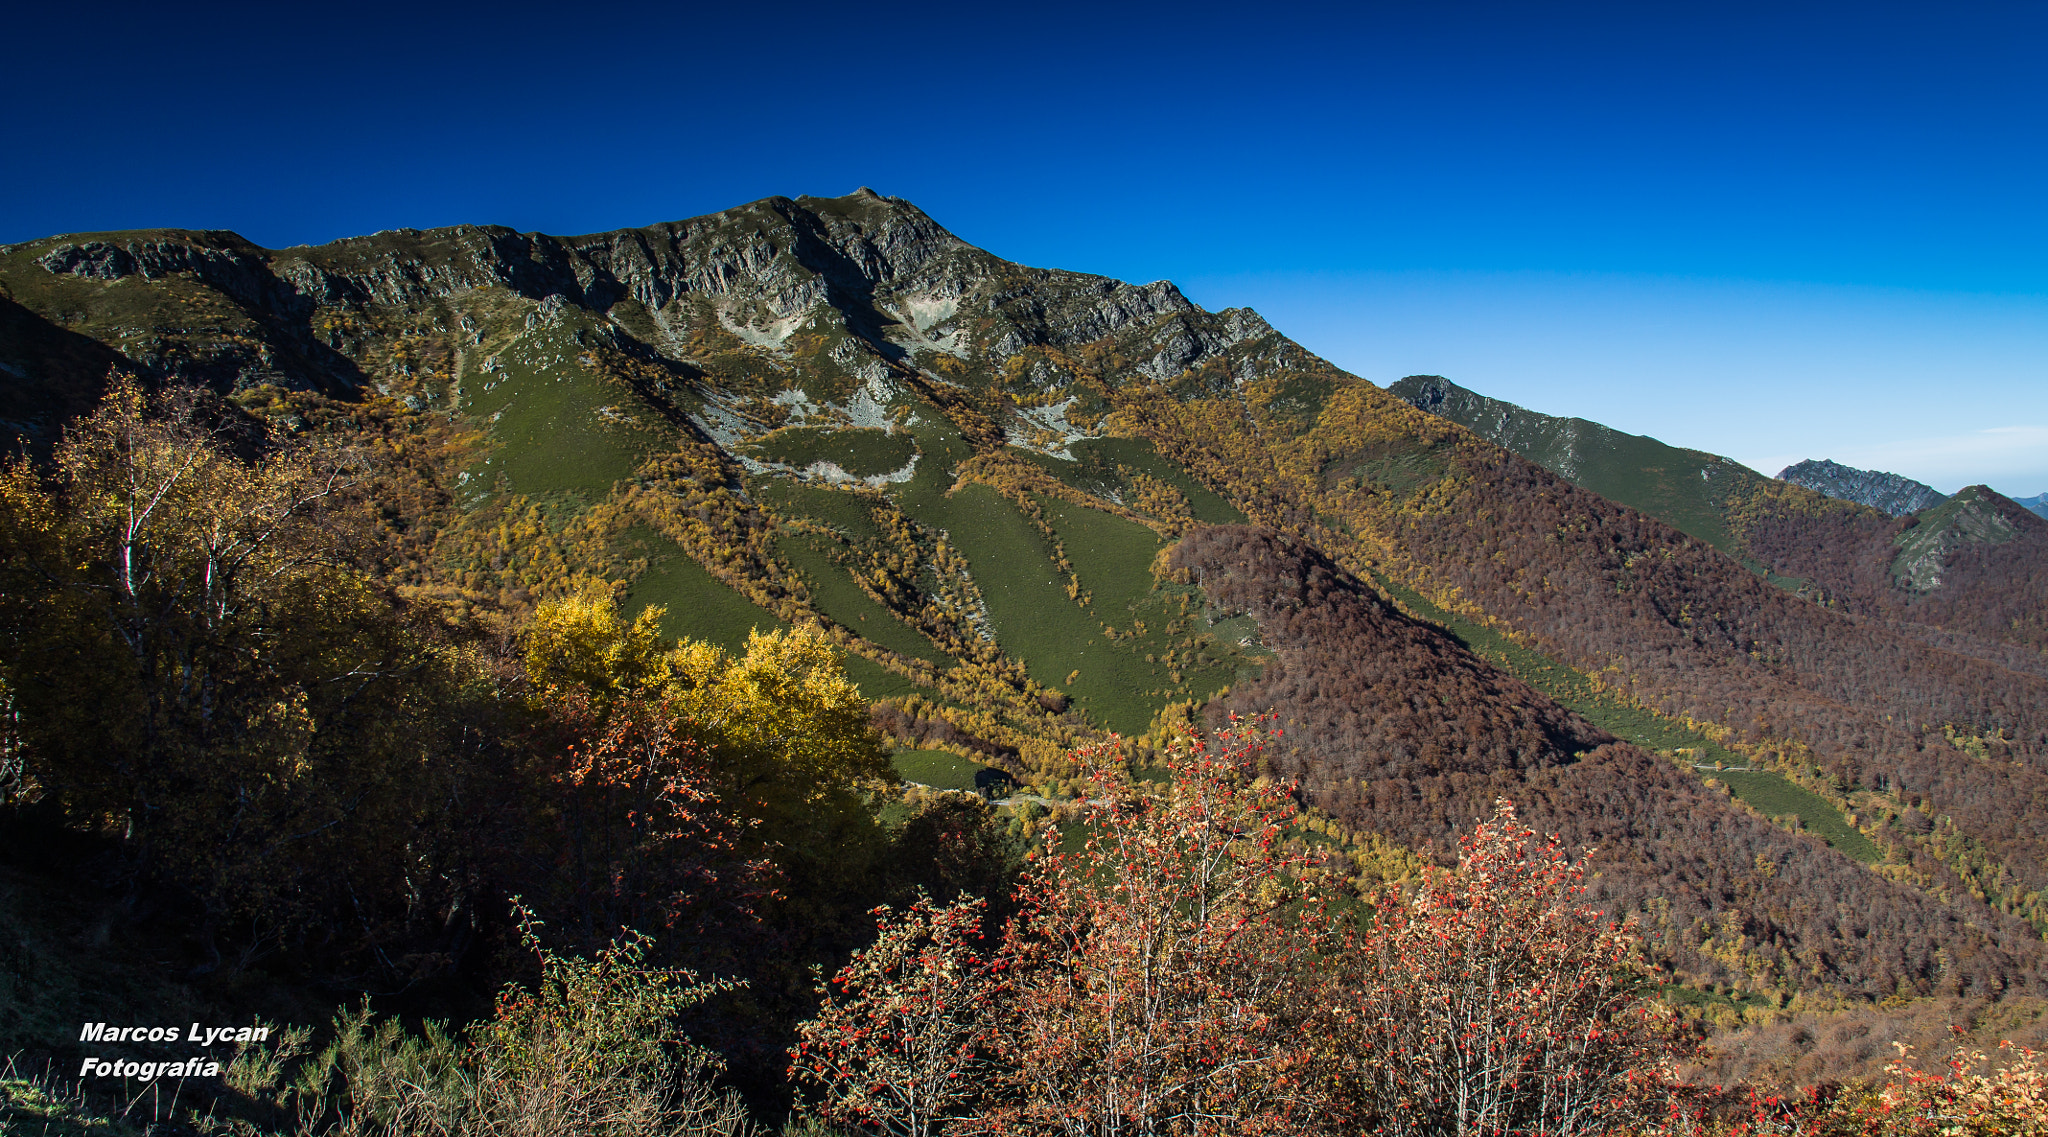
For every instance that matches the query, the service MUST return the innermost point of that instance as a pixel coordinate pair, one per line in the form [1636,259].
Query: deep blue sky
[1770,230]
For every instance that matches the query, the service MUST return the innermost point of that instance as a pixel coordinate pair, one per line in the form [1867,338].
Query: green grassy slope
[1028,607]
[556,424]
[1112,557]
[1688,490]
[549,384]
[862,452]
[834,509]
[590,375]
[1130,650]
[700,606]
[836,595]
[1096,653]
[1099,467]
[1159,654]
[945,770]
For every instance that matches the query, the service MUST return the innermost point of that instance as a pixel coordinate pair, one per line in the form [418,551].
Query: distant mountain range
[1034,507]
[1962,563]
[1690,490]
[1892,493]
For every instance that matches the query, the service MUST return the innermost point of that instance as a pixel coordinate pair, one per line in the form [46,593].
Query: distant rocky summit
[2038,503]
[1892,493]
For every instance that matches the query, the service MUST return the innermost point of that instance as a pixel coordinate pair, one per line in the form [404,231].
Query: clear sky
[1773,230]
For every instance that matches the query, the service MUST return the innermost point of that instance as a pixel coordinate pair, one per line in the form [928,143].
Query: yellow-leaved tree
[580,644]
[785,722]
[779,733]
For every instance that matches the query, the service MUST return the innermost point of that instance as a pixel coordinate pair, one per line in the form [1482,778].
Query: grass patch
[1113,557]
[1060,643]
[48,1105]
[860,451]
[939,441]
[1012,563]
[843,510]
[874,680]
[558,425]
[944,770]
[1567,685]
[1792,584]
[836,595]
[1666,482]
[1095,468]
[1028,607]
[1399,470]
[1773,795]
[700,606]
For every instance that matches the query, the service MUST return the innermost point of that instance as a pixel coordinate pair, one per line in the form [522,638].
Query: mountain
[1893,493]
[1975,516]
[1944,575]
[1690,490]
[1034,507]
[2038,503]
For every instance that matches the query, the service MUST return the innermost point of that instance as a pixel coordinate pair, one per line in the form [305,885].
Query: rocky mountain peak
[846,290]
[1893,493]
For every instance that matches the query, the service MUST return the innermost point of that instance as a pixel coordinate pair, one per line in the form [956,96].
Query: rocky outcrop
[223,261]
[1975,516]
[1893,493]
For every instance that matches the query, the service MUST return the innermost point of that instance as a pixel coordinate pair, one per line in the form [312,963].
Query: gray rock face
[223,260]
[1892,493]
[867,264]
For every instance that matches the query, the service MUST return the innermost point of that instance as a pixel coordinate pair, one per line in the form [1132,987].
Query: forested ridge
[369,608]
[1960,574]
[1391,727]
[1984,593]
[1663,620]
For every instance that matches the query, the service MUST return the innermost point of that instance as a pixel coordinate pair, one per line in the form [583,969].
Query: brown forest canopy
[1393,726]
